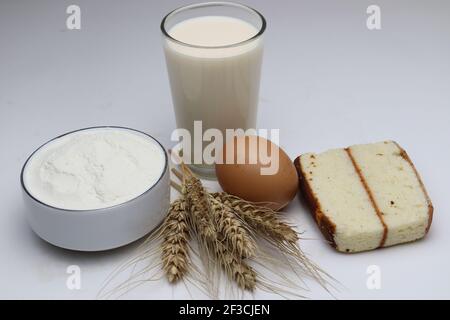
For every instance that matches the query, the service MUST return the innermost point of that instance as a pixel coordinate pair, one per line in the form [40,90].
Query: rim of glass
[210,4]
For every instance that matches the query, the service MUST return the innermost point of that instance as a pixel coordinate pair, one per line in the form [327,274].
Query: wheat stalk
[200,205]
[174,246]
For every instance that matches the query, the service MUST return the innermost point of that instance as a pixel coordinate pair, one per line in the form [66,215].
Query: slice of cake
[365,196]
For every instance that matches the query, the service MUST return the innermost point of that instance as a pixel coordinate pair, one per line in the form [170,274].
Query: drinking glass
[215,84]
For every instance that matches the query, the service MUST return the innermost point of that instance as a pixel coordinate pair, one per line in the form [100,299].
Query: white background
[327,82]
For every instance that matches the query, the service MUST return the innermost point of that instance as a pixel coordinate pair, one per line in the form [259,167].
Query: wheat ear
[261,219]
[197,203]
[175,246]
[235,267]
[233,230]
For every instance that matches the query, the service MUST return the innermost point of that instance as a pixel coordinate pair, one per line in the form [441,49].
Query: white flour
[93,169]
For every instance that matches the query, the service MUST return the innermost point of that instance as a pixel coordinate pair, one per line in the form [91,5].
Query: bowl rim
[24,188]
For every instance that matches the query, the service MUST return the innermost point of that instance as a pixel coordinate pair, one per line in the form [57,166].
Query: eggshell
[245,180]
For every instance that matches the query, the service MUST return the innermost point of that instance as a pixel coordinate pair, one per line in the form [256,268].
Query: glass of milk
[213,53]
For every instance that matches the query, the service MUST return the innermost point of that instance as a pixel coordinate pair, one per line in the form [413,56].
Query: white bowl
[99,229]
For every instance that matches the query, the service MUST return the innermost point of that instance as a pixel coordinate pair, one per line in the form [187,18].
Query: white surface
[327,82]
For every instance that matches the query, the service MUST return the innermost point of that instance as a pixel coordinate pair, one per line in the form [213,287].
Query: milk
[213,31]
[212,83]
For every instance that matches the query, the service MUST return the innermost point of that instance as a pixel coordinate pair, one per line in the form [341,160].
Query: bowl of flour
[96,188]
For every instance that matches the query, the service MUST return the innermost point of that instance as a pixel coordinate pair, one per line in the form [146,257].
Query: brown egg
[259,175]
